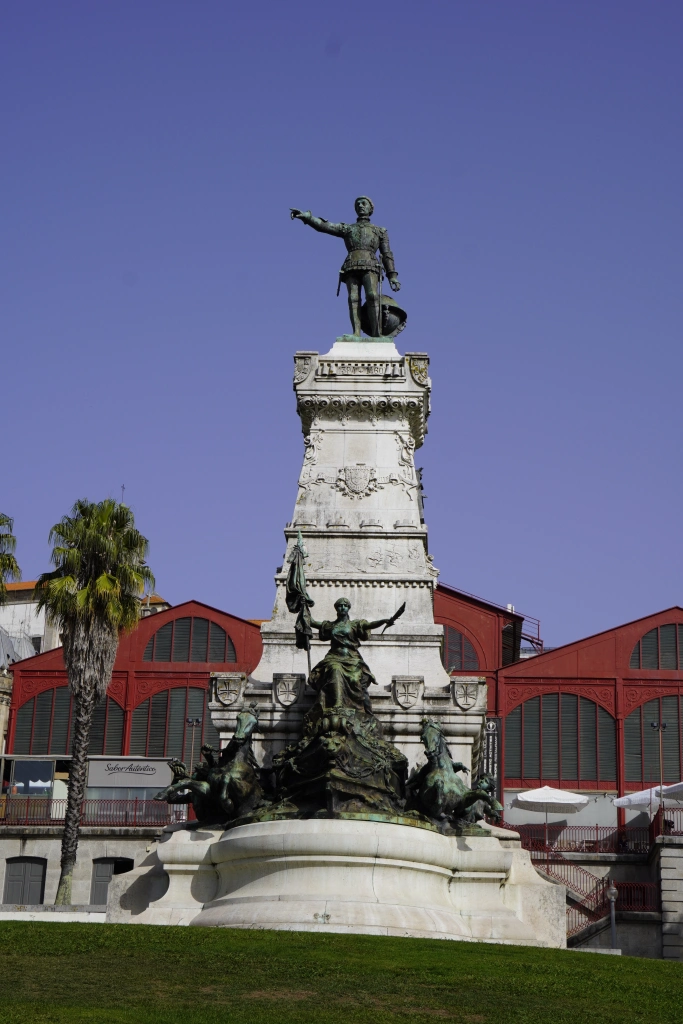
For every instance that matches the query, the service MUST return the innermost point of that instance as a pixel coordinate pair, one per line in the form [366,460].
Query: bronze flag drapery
[298,600]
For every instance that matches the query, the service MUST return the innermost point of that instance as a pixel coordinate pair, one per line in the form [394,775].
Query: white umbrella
[674,792]
[645,798]
[557,801]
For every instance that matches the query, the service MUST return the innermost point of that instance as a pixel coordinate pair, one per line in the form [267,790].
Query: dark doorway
[103,870]
[24,880]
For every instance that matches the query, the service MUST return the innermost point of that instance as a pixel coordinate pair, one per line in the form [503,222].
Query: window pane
[470,659]
[22,732]
[149,650]
[607,746]
[588,768]
[196,706]
[633,754]
[162,643]
[680,645]
[670,739]
[200,639]
[60,720]
[230,654]
[532,723]
[138,732]
[648,647]
[667,646]
[651,741]
[114,739]
[181,640]
[41,724]
[217,643]
[513,744]
[635,657]
[569,734]
[550,735]
[176,722]
[211,734]
[453,645]
[157,725]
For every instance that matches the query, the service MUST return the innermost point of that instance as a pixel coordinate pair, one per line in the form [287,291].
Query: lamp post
[612,894]
[660,727]
[193,723]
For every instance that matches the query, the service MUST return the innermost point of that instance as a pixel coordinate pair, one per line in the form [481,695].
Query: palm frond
[9,567]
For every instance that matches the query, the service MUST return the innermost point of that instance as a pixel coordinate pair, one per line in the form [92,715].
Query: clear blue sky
[527,160]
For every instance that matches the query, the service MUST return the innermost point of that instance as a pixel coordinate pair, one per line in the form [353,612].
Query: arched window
[45,725]
[662,647]
[458,653]
[641,741]
[190,639]
[160,729]
[560,736]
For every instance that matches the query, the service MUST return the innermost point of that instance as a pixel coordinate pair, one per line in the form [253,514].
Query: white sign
[129,771]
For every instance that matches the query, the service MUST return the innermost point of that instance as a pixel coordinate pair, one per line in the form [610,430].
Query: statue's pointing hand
[297,214]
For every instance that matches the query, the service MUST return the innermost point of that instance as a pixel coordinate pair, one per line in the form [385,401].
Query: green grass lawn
[106,974]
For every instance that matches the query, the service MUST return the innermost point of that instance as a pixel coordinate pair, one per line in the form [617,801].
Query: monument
[340,800]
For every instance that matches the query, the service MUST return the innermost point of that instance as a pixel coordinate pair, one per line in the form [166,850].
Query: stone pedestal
[360,877]
[363,410]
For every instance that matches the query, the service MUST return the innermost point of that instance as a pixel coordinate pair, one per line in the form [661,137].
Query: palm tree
[93,594]
[9,567]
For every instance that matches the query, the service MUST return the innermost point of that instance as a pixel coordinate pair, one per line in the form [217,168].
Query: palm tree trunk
[84,706]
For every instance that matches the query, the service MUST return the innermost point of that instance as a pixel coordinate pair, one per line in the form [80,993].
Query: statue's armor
[362,240]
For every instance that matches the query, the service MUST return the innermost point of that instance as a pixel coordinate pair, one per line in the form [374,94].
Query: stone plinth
[361,877]
[363,409]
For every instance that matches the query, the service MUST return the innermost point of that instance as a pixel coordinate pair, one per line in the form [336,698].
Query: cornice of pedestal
[363,389]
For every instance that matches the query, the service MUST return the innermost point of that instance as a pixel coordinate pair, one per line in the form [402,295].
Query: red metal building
[577,716]
[161,678]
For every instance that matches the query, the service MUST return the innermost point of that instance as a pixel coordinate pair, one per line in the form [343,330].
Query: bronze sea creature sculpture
[224,786]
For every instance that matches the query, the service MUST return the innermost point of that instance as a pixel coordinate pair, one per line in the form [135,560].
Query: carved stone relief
[357,481]
[302,368]
[407,690]
[419,368]
[227,686]
[288,687]
[469,694]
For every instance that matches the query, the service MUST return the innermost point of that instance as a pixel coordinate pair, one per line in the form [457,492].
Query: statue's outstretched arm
[328,227]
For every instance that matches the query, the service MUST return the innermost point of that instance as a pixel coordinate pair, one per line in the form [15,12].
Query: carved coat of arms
[465,695]
[407,690]
[357,481]
[227,686]
[302,368]
[419,368]
[288,687]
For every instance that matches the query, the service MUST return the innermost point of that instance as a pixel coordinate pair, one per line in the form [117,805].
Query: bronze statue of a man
[361,267]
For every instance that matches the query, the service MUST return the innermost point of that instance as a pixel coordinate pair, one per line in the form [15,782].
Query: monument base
[376,878]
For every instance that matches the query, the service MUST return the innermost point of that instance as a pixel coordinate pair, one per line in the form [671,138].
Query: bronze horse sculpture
[436,790]
[222,787]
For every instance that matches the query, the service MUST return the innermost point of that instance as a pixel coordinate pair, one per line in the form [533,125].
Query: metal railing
[668,822]
[583,838]
[36,810]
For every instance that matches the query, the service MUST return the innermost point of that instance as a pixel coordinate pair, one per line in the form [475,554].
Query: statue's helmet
[368,200]
[342,601]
